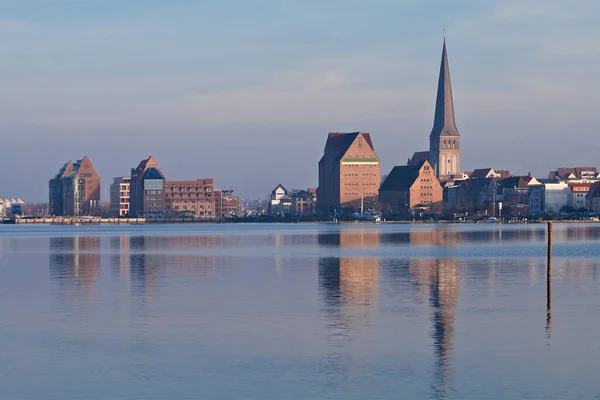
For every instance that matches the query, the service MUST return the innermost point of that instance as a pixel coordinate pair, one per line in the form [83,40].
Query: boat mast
[362,203]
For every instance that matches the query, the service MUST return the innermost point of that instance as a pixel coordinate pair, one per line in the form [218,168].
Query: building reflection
[438,279]
[436,237]
[120,259]
[142,260]
[74,262]
[349,284]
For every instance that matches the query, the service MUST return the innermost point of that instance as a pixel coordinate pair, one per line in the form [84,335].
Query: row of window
[190,189]
[449,144]
[357,194]
[185,208]
[360,174]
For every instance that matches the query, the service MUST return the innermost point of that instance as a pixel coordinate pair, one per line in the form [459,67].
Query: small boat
[490,220]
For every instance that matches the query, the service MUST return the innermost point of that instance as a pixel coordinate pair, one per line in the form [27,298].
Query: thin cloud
[18,27]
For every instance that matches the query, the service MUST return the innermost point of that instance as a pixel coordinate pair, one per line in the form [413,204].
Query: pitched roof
[64,170]
[563,173]
[481,173]
[338,143]
[148,161]
[279,186]
[418,157]
[517,182]
[402,177]
[303,194]
[444,121]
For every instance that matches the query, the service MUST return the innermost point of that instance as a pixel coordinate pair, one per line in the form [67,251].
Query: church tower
[444,140]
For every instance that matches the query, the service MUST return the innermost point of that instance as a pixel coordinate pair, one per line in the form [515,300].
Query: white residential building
[280,202]
[549,197]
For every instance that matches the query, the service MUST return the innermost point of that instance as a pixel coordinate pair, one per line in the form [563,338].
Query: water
[298,312]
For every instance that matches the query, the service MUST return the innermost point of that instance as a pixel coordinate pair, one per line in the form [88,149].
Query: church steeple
[444,120]
[444,139]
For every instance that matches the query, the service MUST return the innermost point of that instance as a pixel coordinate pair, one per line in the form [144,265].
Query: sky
[246,91]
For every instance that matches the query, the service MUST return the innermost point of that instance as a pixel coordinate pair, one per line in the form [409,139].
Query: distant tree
[566,209]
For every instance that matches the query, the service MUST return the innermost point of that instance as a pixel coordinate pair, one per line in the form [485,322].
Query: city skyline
[120,82]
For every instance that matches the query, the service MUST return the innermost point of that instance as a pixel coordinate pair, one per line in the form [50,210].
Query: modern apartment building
[190,198]
[349,174]
[56,205]
[147,194]
[75,190]
[120,196]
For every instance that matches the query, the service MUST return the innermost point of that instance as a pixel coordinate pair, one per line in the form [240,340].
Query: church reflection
[439,280]
[74,262]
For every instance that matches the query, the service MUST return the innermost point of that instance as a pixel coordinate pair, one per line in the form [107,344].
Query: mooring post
[549,267]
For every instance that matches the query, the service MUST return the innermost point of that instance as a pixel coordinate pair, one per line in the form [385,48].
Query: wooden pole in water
[549,267]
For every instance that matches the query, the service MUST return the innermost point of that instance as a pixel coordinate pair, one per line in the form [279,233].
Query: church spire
[444,123]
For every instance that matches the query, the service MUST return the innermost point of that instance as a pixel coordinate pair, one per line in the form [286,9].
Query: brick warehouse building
[190,198]
[75,190]
[411,187]
[147,192]
[349,174]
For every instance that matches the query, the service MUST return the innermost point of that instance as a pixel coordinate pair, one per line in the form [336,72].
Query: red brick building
[75,190]
[349,174]
[409,187]
[190,198]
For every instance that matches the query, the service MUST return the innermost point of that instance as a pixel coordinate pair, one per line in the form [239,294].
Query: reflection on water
[350,284]
[440,277]
[326,311]
[75,262]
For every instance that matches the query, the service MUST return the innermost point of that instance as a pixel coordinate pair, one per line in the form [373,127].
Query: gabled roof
[516,182]
[419,157]
[338,144]
[280,186]
[571,173]
[475,185]
[303,194]
[402,177]
[148,161]
[64,170]
[482,173]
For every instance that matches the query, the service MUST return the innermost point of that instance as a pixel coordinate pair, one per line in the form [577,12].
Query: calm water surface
[298,312]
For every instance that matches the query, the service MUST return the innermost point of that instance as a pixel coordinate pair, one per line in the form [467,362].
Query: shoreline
[172,221]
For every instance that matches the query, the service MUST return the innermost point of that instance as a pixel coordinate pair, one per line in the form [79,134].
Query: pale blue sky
[246,91]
